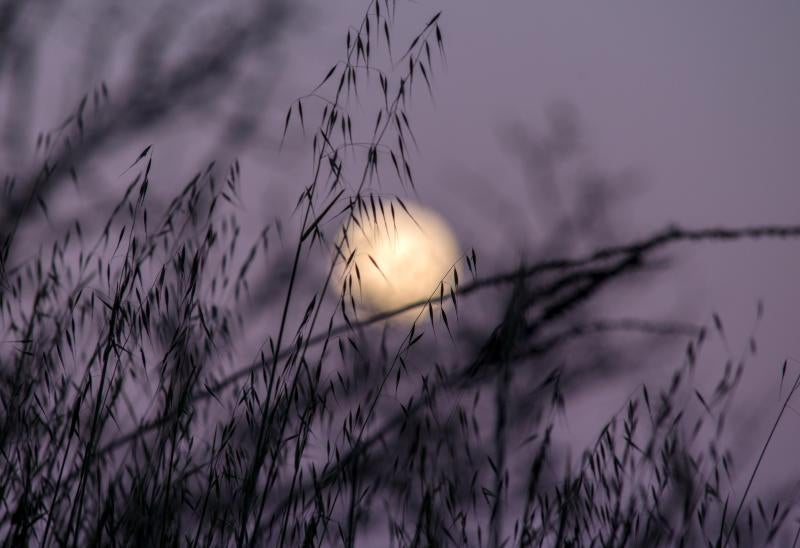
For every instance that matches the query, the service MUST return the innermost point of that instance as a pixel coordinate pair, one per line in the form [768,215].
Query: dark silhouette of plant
[128,418]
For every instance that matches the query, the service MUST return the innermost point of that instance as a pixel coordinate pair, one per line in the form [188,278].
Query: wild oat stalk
[128,417]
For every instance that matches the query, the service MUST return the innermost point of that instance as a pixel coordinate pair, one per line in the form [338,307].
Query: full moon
[400,258]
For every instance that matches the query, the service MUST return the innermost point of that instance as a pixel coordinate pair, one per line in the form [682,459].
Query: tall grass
[128,417]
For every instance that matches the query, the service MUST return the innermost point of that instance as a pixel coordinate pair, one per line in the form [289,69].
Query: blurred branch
[638,249]
[148,98]
[649,327]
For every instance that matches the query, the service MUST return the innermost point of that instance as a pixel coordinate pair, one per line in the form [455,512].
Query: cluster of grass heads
[127,417]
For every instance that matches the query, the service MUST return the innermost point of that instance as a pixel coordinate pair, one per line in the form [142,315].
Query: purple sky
[701,99]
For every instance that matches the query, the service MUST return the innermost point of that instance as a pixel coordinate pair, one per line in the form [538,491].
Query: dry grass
[127,419]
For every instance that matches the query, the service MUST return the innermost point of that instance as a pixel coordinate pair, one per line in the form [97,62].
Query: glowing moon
[400,260]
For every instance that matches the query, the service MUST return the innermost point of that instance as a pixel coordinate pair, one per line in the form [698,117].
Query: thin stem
[760,458]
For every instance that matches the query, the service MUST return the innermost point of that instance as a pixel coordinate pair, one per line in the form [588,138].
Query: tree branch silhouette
[635,250]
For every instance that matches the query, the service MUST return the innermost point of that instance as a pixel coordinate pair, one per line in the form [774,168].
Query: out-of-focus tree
[120,72]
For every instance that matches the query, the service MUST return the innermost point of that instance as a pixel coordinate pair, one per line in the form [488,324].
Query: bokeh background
[553,127]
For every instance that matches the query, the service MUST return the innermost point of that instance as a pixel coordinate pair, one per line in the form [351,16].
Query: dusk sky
[700,100]
[553,128]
